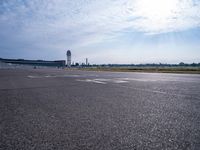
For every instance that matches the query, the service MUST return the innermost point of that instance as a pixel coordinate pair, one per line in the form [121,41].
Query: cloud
[107,15]
[57,24]
[155,16]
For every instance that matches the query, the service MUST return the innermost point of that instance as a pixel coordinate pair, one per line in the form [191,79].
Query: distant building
[68,58]
[58,63]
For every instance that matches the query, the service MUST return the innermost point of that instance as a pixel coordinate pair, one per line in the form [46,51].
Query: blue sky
[105,31]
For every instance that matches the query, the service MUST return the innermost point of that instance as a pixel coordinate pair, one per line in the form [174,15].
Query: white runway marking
[53,76]
[119,81]
[135,79]
[33,76]
[103,81]
[94,81]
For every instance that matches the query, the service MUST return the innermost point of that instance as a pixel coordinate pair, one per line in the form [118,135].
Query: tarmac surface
[71,110]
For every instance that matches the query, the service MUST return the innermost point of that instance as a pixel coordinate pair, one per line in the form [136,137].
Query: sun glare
[155,15]
[157,8]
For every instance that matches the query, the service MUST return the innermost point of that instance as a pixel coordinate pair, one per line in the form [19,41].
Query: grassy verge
[183,70]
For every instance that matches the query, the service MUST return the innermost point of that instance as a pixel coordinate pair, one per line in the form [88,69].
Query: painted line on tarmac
[33,76]
[103,81]
[52,76]
[93,81]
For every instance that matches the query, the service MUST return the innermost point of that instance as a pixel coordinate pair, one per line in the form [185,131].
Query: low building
[57,63]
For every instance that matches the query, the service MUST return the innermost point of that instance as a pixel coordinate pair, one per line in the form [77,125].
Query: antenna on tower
[86,61]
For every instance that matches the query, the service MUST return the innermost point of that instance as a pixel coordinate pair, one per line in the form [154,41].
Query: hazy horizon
[105,32]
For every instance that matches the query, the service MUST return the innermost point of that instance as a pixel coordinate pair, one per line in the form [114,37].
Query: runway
[71,109]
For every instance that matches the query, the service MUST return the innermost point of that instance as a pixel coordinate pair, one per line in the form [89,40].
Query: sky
[104,31]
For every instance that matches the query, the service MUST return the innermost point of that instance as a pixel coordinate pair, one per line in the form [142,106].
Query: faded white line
[104,81]
[119,81]
[52,76]
[33,76]
[94,81]
[135,79]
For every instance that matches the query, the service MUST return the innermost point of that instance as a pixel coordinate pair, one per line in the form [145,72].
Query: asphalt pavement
[81,110]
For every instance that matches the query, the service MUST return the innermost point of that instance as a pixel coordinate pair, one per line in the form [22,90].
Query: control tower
[68,58]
